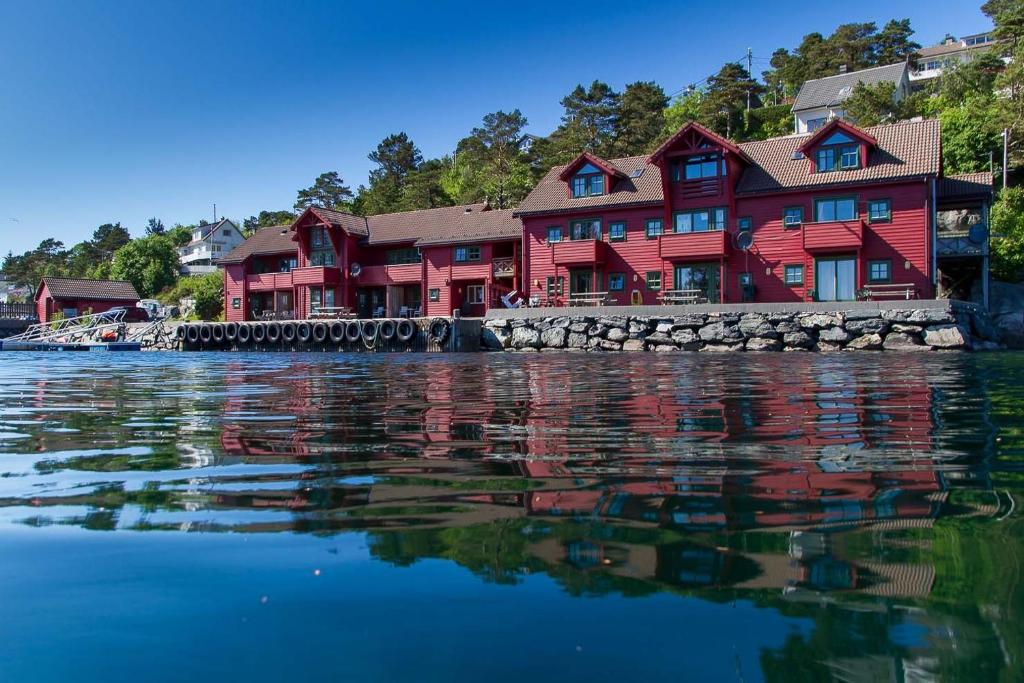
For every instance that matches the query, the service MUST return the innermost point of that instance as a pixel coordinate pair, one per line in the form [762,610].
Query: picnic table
[676,297]
[888,291]
[588,298]
[276,315]
[331,312]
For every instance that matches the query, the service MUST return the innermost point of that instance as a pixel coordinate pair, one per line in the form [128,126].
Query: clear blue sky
[117,111]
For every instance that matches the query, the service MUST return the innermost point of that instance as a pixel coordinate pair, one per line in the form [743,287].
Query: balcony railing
[503,267]
[690,245]
[578,252]
[833,235]
[263,282]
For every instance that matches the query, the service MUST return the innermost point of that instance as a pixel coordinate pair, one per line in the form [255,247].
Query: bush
[207,290]
[1007,228]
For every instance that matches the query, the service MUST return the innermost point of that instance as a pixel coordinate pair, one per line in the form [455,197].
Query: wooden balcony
[503,267]
[268,282]
[833,236]
[316,275]
[578,252]
[404,273]
[693,245]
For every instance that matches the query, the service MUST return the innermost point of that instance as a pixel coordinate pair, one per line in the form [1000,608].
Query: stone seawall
[951,326]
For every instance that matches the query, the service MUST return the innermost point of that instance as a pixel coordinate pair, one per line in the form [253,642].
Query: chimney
[842,68]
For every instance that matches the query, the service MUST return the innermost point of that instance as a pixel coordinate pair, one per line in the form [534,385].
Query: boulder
[906,329]
[722,348]
[553,337]
[580,327]
[763,344]
[867,342]
[525,338]
[828,347]
[786,326]
[597,330]
[497,323]
[947,337]
[633,345]
[617,334]
[687,339]
[576,340]
[754,325]
[868,325]
[561,322]
[901,341]
[800,340]
[609,345]
[495,339]
[614,322]
[663,349]
[718,332]
[660,339]
[817,321]
[664,327]
[691,320]
[927,316]
[833,335]
[780,316]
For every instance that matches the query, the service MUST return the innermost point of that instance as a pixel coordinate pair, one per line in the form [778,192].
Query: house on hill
[209,243]
[933,60]
[72,297]
[822,99]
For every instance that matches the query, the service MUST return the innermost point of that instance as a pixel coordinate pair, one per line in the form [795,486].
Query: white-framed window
[475,294]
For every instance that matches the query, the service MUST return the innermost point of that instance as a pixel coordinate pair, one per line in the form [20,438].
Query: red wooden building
[840,214]
[428,262]
[73,297]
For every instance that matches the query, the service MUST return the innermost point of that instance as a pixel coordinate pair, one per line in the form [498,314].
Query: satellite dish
[978,233]
[355,269]
[744,240]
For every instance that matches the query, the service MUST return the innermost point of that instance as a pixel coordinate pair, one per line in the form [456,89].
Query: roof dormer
[838,146]
[589,175]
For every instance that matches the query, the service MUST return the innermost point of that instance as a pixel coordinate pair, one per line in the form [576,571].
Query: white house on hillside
[822,99]
[932,60]
[209,243]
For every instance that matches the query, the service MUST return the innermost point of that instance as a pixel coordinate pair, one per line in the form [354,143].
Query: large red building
[427,262]
[840,214]
[827,216]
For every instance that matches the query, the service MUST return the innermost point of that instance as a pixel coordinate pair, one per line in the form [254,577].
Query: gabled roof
[587,157]
[965,186]
[96,290]
[276,239]
[641,184]
[694,127]
[210,228]
[826,131]
[906,149]
[833,90]
[447,224]
[352,224]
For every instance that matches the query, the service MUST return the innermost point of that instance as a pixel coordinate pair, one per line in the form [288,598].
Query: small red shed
[73,297]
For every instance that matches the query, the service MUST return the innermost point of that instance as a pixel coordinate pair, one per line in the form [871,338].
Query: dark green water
[785,517]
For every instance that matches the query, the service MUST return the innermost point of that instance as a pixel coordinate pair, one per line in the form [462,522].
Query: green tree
[968,80]
[1008,17]
[893,43]
[1007,225]
[108,238]
[641,118]
[267,219]
[684,108]
[590,118]
[149,263]
[970,136]
[870,105]
[726,97]
[422,188]
[180,235]
[328,191]
[155,226]
[493,160]
[207,291]
[396,157]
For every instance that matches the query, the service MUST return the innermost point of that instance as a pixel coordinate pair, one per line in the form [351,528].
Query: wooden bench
[682,297]
[588,298]
[888,291]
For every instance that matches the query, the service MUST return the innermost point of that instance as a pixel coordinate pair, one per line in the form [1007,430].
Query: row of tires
[369,332]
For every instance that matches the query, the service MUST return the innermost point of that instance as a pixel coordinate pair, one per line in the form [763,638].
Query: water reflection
[873,496]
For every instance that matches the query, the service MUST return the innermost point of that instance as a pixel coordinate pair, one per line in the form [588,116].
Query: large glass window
[321,250]
[475,294]
[463,254]
[835,279]
[398,257]
[835,209]
[698,281]
[585,230]
[698,167]
[703,220]
[654,280]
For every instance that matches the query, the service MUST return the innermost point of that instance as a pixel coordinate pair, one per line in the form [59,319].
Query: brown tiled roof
[965,185]
[273,240]
[552,195]
[905,150]
[353,225]
[100,290]
[443,225]
[946,49]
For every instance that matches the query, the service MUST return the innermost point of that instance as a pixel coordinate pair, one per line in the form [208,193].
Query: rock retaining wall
[893,329]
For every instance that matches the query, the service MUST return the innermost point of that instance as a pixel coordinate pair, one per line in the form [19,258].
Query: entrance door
[699,281]
[835,279]
[581,281]
[370,300]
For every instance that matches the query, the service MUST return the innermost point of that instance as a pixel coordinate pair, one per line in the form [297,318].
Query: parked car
[132,314]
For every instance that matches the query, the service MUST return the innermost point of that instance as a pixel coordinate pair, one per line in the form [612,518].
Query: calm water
[508,518]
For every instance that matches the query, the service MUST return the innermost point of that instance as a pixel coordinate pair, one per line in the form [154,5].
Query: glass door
[581,281]
[835,279]
[697,282]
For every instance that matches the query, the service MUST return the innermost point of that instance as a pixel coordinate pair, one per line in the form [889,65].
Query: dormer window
[839,152]
[588,182]
[698,167]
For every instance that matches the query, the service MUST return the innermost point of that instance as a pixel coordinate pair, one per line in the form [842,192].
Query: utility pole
[1006,155]
[750,73]
[214,213]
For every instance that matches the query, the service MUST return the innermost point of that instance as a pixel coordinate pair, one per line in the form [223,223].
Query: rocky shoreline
[893,329]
